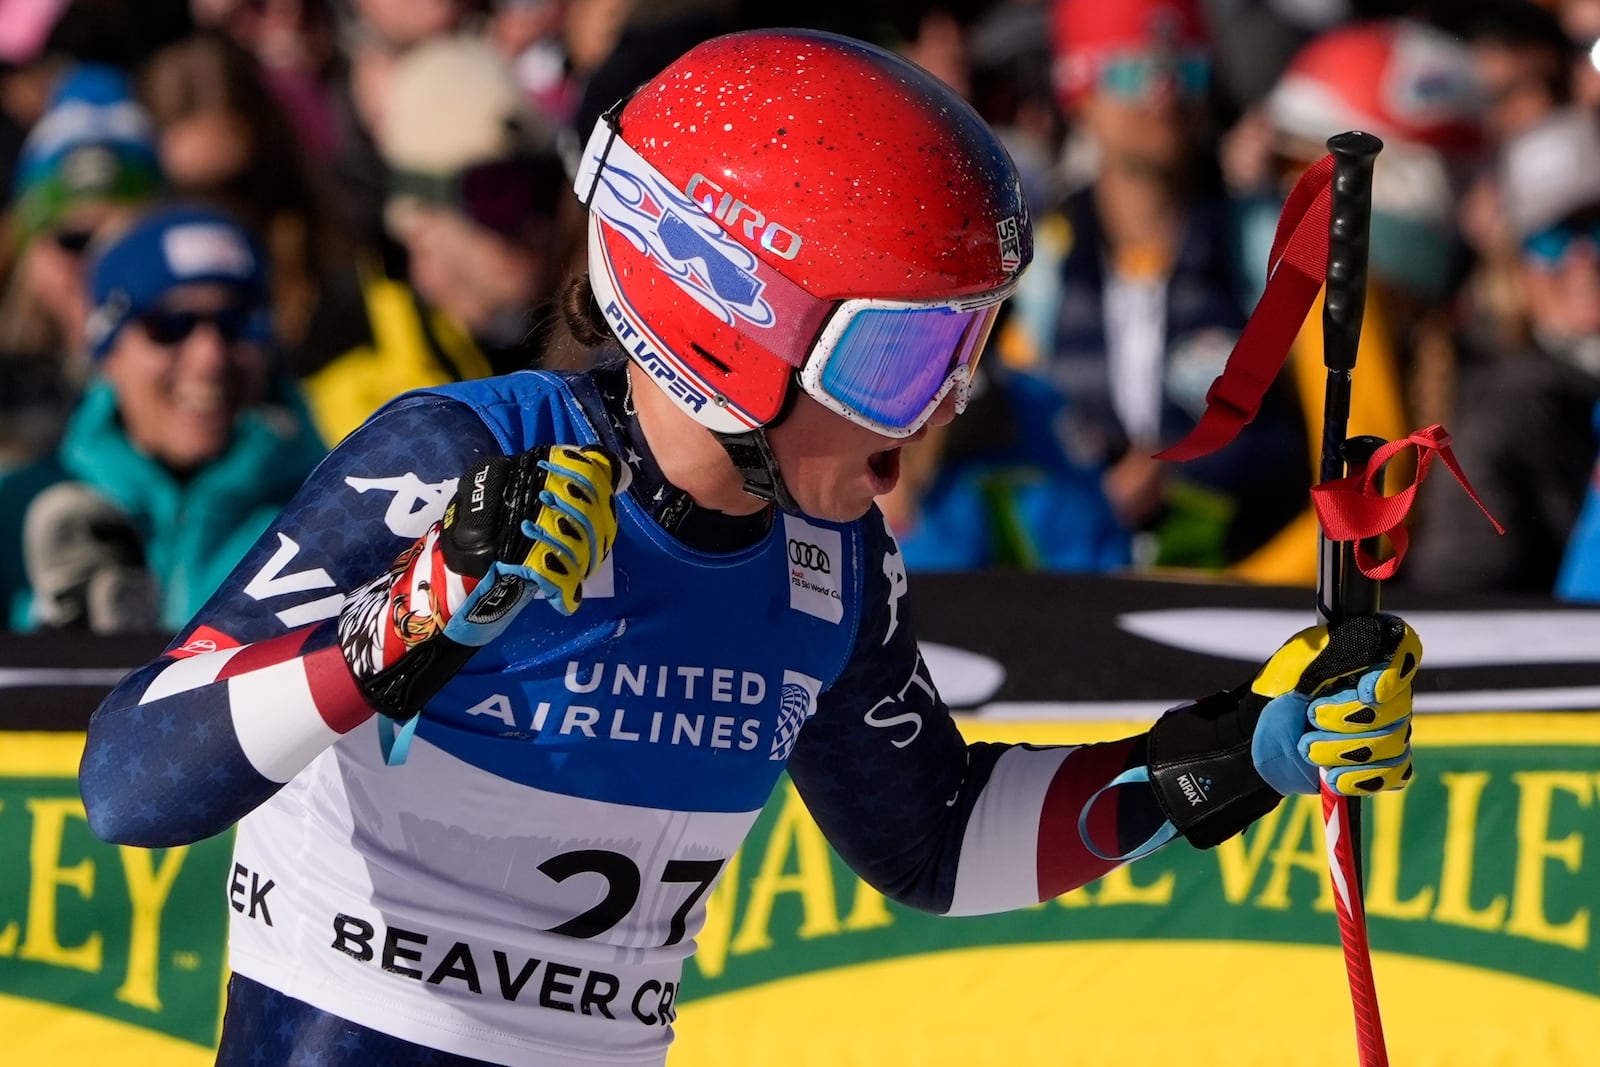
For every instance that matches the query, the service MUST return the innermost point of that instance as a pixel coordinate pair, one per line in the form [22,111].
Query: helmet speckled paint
[839,170]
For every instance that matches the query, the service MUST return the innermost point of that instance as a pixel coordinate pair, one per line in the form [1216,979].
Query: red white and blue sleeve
[255,687]
[939,824]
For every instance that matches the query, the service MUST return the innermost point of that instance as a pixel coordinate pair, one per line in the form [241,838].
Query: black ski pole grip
[1345,296]
[1354,154]
[1344,304]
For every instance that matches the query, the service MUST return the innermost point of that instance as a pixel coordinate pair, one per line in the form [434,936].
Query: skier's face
[834,468]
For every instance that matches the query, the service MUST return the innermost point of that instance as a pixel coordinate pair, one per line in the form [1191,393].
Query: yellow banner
[1477,870]
[1481,881]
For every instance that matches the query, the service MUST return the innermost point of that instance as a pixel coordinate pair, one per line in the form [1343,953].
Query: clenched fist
[543,520]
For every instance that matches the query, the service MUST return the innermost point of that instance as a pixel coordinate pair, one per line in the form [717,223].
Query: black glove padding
[519,525]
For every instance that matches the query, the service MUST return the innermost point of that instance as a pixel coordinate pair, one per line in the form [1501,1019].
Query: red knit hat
[1083,33]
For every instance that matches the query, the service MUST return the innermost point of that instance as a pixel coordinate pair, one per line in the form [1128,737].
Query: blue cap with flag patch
[177,245]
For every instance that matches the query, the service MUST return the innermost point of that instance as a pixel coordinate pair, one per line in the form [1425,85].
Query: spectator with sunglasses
[187,441]
[89,158]
[463,285]
[1522,418]
[1131,312]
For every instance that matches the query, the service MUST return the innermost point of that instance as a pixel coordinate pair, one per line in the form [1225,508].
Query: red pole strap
[1352,508]
[1296,267]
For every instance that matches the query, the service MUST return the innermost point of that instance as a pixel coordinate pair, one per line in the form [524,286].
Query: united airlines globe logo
[794,707]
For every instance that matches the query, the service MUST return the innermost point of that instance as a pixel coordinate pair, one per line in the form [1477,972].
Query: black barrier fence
[1014,644]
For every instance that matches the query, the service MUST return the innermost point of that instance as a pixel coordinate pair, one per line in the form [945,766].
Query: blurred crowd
[234,228]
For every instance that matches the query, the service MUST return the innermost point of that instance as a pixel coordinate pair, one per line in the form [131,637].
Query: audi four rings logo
[804,554]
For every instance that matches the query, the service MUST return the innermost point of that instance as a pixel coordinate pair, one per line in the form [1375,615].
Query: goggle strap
[594,182]
[610,118]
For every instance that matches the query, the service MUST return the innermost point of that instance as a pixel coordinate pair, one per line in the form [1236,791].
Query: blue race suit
[526,886]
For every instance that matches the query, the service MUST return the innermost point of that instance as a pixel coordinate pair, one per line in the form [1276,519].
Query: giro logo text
[779,240]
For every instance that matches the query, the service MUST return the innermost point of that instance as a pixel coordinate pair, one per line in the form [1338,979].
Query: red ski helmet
[783,201]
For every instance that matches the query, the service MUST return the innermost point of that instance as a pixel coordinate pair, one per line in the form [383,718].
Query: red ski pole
[1342,590]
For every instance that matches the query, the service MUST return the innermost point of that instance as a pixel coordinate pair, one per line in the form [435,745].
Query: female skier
[477,828]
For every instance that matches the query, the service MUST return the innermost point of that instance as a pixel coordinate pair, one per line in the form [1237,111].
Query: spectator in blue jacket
[187,441]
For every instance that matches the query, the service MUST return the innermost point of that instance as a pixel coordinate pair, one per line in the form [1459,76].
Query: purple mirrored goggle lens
[890,364]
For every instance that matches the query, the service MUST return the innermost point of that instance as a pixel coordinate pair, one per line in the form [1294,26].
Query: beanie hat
[182,244]
[454,101]
[1551,171]
[1401,80]
[94,143]
[1083,33]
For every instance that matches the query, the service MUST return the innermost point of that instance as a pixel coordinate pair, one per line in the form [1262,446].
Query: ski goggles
[880,363]
[1132,74]
[1135,75]
[888,364]
[1550,245]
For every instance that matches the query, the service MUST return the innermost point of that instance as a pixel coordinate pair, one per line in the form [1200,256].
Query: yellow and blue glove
[547,518]
[1338,704]
[1329,701]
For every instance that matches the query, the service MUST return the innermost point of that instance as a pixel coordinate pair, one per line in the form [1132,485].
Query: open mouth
[885,466]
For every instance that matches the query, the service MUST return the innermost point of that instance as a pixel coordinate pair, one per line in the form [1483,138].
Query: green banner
[134,935]
[1481,880]
[1481,861]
